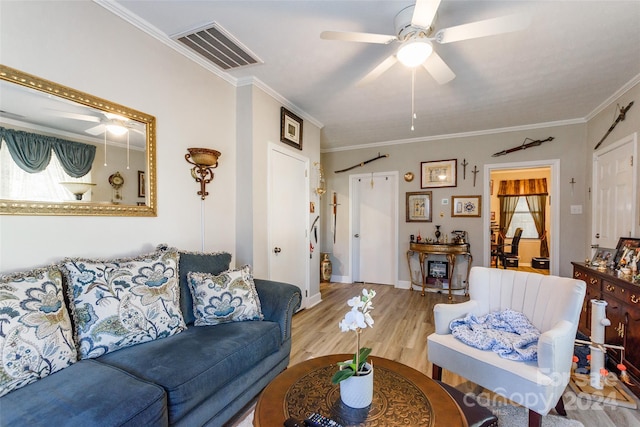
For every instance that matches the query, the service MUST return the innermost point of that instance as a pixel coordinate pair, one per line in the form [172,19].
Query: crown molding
[456,135]
[613,98]
[252,80]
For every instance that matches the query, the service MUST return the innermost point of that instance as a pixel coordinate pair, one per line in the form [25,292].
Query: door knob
[356,235]
[277,250]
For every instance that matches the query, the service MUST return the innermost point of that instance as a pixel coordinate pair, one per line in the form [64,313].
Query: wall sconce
[321,186]
[204,160]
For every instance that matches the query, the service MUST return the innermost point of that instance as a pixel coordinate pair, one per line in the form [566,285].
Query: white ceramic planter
[357,391]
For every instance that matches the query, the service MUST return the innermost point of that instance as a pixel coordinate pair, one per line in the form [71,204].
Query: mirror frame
[27,207]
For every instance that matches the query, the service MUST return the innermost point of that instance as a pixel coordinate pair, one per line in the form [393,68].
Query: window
[16,184]
[522,219]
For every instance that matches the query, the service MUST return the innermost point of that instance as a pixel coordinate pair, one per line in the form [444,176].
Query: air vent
[218,46]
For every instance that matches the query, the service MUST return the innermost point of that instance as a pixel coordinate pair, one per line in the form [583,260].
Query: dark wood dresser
[623,309]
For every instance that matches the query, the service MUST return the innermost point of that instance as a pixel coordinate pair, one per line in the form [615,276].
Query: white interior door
[614,192]
[288,217]
[374,228]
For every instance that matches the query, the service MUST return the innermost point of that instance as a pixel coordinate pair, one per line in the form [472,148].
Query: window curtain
[507,208]
[537,205]
[535,192]
[32,152]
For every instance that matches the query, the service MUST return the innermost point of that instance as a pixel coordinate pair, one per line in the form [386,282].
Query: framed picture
[603,256]
[470,206]
[626,251]
[441,173]
[141,184]
[438,269]
[419,206]
[290,128]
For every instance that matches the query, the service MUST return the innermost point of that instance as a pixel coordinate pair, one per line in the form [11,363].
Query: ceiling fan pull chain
[413,93]
[105,148]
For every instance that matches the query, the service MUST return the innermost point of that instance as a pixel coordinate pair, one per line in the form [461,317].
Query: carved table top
[402,396]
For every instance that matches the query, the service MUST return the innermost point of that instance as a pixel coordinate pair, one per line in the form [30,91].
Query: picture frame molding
[413,197]
[428,179]
[459,207]
[290,128]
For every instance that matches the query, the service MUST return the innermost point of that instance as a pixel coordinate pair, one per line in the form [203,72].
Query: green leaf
[363,354]
[342,374]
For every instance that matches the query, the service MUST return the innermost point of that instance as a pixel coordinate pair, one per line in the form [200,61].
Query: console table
[450,250]
[623,310]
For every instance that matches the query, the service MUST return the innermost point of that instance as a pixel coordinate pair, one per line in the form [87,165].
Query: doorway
[374,227]
[524,170]
[615,175]
[288,219]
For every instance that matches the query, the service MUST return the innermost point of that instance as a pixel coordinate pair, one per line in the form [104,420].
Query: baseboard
[314,300]
[340,279]
[404,284]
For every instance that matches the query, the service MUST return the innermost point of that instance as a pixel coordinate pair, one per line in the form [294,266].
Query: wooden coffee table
[402,396]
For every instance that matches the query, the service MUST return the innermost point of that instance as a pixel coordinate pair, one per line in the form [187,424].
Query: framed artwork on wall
[441,173]
[469,206]
[141,184]
[290,128]
[419,206]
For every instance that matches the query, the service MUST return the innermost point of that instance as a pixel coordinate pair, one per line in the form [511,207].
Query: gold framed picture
[419,206]
[469,206]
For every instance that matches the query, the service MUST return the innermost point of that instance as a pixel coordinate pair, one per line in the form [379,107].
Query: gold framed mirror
[119,142]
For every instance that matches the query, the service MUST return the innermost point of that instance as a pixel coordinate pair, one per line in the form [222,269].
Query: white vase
[357,391]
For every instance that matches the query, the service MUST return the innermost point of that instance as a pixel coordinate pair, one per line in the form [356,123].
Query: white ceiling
[563,68]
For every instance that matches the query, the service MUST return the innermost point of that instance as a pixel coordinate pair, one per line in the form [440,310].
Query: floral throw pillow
[124,302]
[35,329]
[228,297]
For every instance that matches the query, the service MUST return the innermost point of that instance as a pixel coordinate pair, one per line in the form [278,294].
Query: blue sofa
[201,376]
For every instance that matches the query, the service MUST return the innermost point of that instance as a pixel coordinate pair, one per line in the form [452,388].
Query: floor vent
[218,46]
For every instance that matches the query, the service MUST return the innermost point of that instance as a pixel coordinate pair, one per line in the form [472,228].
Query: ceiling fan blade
[438,69]
[424,12]
[488,27]
[357,37]
[74,116]
[377,72]
[96,130]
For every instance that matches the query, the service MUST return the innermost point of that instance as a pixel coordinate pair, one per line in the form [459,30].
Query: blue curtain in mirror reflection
[32,152]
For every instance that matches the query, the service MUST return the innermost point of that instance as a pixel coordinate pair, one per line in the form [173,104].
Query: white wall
[82,45]
[259,126]
[569,144]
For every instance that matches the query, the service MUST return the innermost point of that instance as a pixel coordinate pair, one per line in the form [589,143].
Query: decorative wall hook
[204,161]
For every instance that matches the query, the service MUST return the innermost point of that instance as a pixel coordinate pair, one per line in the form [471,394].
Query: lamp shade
[414,52]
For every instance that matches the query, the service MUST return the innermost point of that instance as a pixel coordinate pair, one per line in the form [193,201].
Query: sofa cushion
[87,393]
[193,365]
[35,329]
[228,297]
[122,302]
[214,263]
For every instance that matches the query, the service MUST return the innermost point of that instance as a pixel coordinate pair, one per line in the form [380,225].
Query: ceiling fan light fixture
[116,129]
[414,52]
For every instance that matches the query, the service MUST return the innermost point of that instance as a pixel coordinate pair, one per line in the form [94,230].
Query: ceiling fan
[416,34]
[115,124]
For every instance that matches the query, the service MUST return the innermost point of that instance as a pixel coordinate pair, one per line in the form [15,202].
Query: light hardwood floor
[403,320]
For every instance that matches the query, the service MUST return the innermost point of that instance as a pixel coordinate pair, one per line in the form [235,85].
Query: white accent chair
[551,303]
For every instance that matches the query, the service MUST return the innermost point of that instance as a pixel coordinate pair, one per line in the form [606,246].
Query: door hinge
[306,172]
[306,294]
[631,161]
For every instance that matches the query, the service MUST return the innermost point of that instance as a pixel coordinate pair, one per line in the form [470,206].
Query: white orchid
[356,319]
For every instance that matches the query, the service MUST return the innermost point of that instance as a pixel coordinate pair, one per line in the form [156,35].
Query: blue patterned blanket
[508,333]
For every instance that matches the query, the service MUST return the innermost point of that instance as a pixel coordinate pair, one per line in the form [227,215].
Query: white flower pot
[357,391]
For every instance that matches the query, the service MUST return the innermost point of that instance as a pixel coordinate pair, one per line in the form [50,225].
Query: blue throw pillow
[228,297]
[123,302]
[35,329]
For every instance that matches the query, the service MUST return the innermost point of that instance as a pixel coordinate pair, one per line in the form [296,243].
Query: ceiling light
[414,52]
[116,128]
